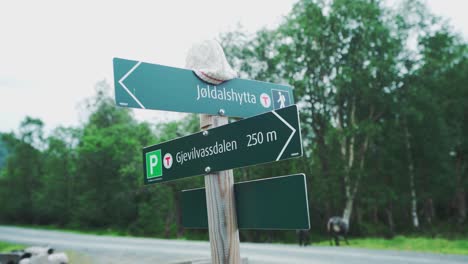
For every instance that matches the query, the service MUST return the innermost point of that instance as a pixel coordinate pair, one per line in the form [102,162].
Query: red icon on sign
[168,161]
[265,100]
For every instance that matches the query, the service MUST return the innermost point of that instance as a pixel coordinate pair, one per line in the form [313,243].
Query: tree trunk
[167,226]
[351,192]
[391,223]
[359,218]
[430,215]
[328,211]
[429,211]
[461,200]
[460,194]
[375,214]
[414,207]
[322,152]
[348,209]
[347,151]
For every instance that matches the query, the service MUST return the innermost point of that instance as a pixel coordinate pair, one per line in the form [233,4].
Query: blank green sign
[273,203]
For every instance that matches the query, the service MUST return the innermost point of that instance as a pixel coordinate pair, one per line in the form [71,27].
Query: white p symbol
[153,162]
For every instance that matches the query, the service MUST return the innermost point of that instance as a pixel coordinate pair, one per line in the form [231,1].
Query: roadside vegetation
[74,257]
[7,247]
[418,244]
[383,98]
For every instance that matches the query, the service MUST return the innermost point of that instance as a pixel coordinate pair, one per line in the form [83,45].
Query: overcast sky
[52,53]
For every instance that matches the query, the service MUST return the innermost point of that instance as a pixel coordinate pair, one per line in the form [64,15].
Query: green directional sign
[274,203]
[264,138]
[152,86]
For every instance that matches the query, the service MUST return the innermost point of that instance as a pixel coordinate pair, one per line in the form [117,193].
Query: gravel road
[125,250]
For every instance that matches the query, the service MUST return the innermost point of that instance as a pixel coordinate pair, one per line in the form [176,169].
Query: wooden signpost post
[221,207]
[270,133]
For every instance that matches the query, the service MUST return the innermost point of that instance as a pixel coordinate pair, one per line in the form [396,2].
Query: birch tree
[366,74]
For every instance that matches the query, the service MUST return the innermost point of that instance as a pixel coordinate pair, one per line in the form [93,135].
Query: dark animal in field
[303,236]
[337,227]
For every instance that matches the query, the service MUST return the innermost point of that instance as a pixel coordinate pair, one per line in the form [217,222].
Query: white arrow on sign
[125,87]
[290,136]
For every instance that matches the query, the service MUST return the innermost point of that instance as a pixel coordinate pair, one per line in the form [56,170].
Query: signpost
[270,133]
[264,138]
[152,86]
[273,203]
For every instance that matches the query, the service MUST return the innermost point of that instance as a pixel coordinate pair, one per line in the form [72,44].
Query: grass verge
[7,247]
[74,257]
[421,244]
[100,232]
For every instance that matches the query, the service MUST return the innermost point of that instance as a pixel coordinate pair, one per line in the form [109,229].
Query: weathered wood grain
[220,201]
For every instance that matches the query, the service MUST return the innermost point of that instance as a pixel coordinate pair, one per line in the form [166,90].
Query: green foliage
[22,177]
[3,153]
[90,177]
[360,87]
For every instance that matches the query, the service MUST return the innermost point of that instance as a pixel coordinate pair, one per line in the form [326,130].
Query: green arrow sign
[264,138]
[274,203]
[153,86]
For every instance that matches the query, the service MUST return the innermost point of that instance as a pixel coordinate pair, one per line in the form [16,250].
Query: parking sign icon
[153,164]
